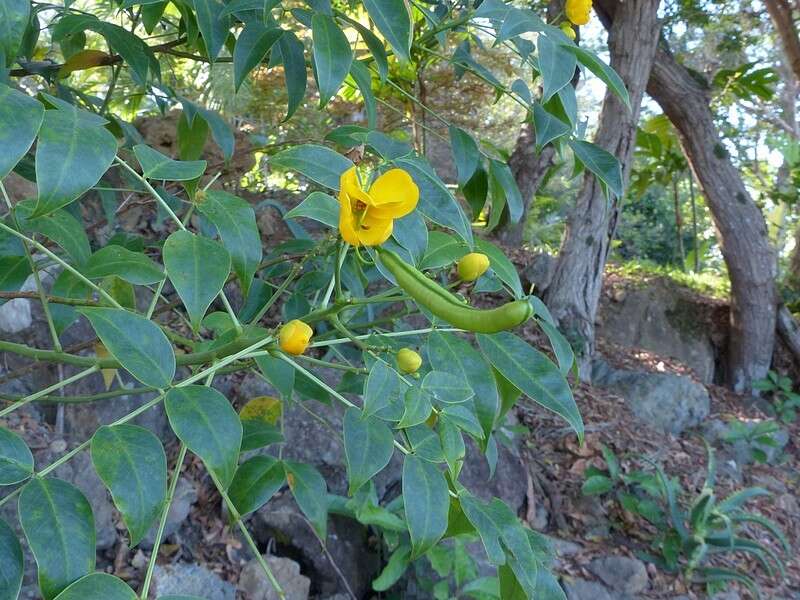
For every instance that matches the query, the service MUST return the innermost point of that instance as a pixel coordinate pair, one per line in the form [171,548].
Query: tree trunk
[740,225]
[678,225]
[695,239]
[780,11]
[574,291]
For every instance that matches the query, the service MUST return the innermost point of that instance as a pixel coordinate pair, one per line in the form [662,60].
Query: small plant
[692,528]
[785,402]
[756,437]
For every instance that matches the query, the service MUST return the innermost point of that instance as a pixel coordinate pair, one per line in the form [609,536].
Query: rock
[191,580]
[663,318]
[15,315]
[580,589]
[253,583]
[621,574]
[671,403]
[185,497]
[539,271]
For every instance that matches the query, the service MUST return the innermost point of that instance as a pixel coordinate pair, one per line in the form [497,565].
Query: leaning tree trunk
[740,225]
[574,292]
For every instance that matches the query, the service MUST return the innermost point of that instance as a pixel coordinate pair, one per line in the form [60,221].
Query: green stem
[49,390]
[331,365]
[163,522]
[274,298]
[154,301]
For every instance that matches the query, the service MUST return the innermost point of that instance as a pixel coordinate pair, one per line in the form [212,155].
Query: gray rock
[662,318]
[191,580]
[671,403]
[580,589]
[15,315]
[185,497]
[539,271]
[621,574]
[253,583]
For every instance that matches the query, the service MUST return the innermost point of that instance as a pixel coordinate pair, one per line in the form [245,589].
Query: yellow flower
[578,11]
[472,265]
[365,217]
[408,361]
[568,30]
[294,337]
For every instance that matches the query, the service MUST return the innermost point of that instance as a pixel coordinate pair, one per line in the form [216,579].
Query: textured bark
[780,11]
[740,225]
[574,291]
[789,331]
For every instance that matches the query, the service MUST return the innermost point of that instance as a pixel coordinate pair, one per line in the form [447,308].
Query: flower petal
[394,194]
[373,232]
[348,183]
[347,223]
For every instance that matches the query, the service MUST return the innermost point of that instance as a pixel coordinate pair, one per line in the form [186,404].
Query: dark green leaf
[12,560]
[597,484]
[294,68]
[138,344]
[466,154]
[279,373]
[205,421]
[418,407]
[318,163]
[501,265]
[235,221]
[533,373]
[131,462]
[72,154]
[255,482]
[368,447]
[20,119]
[98,586]
[376,48]
[14,16]
[60,226]
[600,162]
[198,268]
[157,166]
[448,387]
[502,176]
[14,270]
[605,73]
[394,569]
[191,138]
[462,415]
[257,434]
[332,56]
[426,501]
[318,206]
[16,460]
[213,25]
[382,388]
[59,526]
[393,19]
[561,348]
[547,127]
[133,267]
[251,47]
[556,65]
[363,78]
[452,441]
[311,494]
[67,286]
[425,443]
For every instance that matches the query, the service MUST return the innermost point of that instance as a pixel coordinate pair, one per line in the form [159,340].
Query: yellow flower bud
[408,361]
[578,11]
[568,30]
[472,265]
[294,337]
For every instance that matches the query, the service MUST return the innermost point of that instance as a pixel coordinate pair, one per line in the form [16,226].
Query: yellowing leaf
[85,59]
[108,374]
[262,408]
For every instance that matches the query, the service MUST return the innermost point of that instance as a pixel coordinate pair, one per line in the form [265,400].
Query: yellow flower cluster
[578,11]
[365,217]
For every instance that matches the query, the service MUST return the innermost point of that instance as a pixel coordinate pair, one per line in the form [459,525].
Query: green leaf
[20,119]
[14,16]
[600,162]
[382,388]
[332,56]
[198,268]
[448,387]
[98,586]
[294,68]
[205,421]
[133,267]
[466,154]
[393,19]
[501,265]
[368,447]
[279,373]
[158,166]
[394,569]
[453,446]
[318,206]
[60,226]
[14,270]
[251,47]
[59,526]
[605,73]
[138,344]
[16,460]
[257,434]
[363,78]
[597,484]
[426,501]
[12,560]
[316,162]
[435,201]
[311,494]
[547,127]
[418,407]
[561,348]
[71,155]
[66,285]
[556,65]
[131,462]
[376,48]
[213,25]
[255,482]
[533,373]
[235,221]
[501,178]
[191,138]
